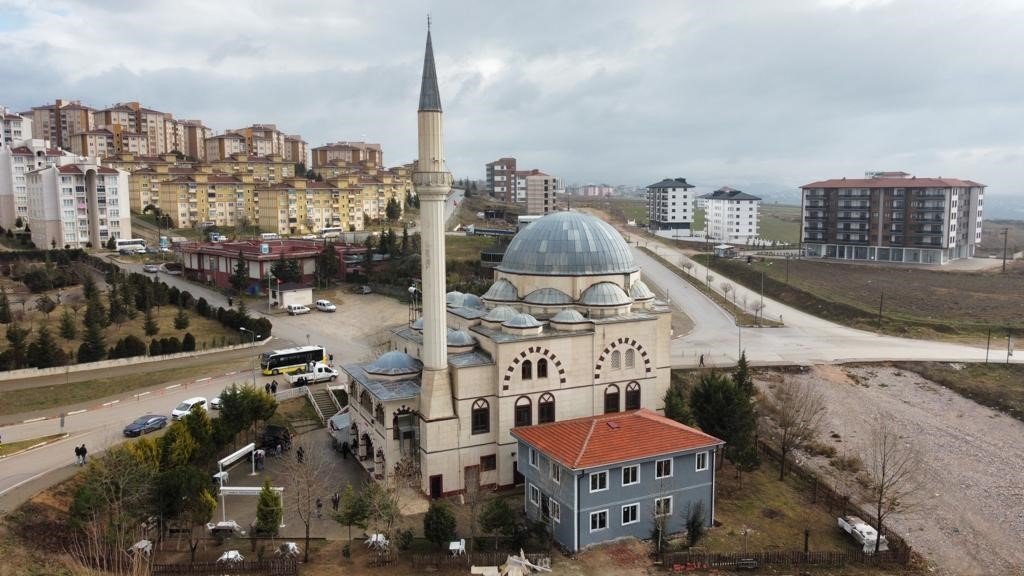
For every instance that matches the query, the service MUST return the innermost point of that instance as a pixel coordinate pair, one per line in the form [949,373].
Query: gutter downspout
[576,513]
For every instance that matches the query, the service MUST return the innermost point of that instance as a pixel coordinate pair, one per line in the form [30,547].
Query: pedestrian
[330,358]
[319,507]
[78,455]
[701,360]
[300,454]
[231,301]
[273,387]
[344,450]
[278,449]
[267,387]
[335,501]
[84,453]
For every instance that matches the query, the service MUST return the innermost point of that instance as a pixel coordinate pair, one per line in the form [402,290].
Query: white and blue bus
[132,245]
[290,359]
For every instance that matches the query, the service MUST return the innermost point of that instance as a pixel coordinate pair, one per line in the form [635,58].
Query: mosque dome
[500,314]
[460,338]
[454,298]
[522,321]
[605,294]
[547,297]
[502,291]
[568,244]
[418,324]
[640,291]
[472,301]
[568,316]
[394,363]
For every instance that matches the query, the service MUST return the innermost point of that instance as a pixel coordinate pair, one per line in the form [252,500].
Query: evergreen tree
[5,307]
[676,405]
[118,311]
[181,320]
[112,243]
[393,210]
[154,348]
[240,276]
[95,312]
[268,511]
[88,285]
[94,345]
[327,264]
[405,239]
[188,343]
[150,326]
[723,410]
[68,328]
[439,523]
[17,337]
[742,378]
[44,352]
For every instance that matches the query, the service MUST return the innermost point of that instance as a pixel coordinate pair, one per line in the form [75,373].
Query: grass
[992,237]
[780,222]
[12,447]
[466,248]
[31,399]
[998,386]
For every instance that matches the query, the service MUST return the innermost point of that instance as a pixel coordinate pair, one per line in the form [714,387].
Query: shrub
[188,343]
[816,448]
[439,524]
[847,463]
[155,349]
[404,539]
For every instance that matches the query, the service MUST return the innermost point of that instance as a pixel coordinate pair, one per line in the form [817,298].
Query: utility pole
[1005,232]
[988,345]
[760,311]
[881,302]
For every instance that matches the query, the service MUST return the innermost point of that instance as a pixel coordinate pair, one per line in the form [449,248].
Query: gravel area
[971,518]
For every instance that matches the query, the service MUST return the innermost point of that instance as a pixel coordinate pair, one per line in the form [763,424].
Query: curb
[64,436]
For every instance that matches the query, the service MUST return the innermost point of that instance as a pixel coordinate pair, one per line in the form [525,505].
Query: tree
[94,346]
[404,248]
[240,277]
[694,523]
[5,307]
[382,503]
[155,349]
[188,343]
[393,210]
[676,405]
[439,523]
[742,378]
[897,468]
[327,264]
[181,320]
[286,270]
[722,410]
[269,511]
[797,409]
[45,304]
[17,337]
[308,480]
[18,222]
[354,510]
[198,511]
[150,325]
[44,352]
[118,310]
[112,243]
[497,517]
[68,328]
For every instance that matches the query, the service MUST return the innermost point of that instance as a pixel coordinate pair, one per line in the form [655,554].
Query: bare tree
[896,465]
[308,480]
[797,409]
[726,289]
[687,265]
[758,307]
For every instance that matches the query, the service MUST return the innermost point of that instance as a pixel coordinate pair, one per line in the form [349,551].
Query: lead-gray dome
[458,338]
[454,298]
[640,291]
[568,244]
[502,291]
[522,321]
[605,294]
[568,316]
[418,324]
[501,314]
[472,301]
[547,297]
[394,363]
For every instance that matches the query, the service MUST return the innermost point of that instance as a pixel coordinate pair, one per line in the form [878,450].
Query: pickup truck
[320,373]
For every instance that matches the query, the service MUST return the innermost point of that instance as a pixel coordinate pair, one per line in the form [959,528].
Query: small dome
[454,298]
[568,244]
[460,338]
[472,301]
[640,291]
[569,316]
[502,291]
[547,297]
[605,294]
[522,321]
[418,324]
[501,314]
[394,363]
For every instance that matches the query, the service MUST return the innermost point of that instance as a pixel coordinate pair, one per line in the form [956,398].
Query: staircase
[324,403]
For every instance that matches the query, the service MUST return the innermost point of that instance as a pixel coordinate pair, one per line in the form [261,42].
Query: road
[454,200]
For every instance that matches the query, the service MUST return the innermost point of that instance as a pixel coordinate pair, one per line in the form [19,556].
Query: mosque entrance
[436,486]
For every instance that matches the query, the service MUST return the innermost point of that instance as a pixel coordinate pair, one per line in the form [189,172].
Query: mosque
[568,329]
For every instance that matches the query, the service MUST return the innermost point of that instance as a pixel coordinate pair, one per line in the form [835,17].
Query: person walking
[273,387]
[319,508]
[267,387]
[84,454]
[701,364]
[78,455]
[344,450]
[300,454]
[335,501]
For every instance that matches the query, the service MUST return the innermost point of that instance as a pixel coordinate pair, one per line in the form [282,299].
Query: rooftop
[594,441]
[893,183]
[726,193]
[672,183]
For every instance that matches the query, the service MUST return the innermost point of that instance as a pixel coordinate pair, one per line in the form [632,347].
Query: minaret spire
[430,96]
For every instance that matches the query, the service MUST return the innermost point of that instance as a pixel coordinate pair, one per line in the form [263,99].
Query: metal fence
[274,567]
[694,561]
[446,560]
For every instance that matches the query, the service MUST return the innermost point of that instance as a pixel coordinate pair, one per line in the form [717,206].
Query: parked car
[185,407]
[215,403]
[151,268]
[296,309]
[364,289]
[152,250]
[145,424]
[325,306]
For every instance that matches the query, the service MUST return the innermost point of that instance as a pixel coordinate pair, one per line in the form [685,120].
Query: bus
[331,232]
[290,359]
[135,245]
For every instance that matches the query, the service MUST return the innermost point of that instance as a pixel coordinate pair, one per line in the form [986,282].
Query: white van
[185,407]
[296,309]
[270,236]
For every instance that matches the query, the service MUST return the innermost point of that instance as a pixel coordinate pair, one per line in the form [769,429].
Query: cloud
[742,93]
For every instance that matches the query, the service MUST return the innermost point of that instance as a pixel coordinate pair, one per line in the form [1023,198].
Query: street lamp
[255,337]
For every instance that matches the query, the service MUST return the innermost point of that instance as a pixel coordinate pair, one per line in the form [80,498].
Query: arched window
[481,417]
[546,408]
[527,370]
[524,411]
[633,395]
[630,358]
[616,359]
[378,413]
[364,401]
[542,368]
[611,399]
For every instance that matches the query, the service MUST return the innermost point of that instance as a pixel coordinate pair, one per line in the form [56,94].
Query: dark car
[145,424]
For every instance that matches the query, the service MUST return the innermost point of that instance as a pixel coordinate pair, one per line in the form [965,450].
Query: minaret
[433,183]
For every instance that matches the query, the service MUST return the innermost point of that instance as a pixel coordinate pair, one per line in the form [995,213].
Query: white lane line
[140,394]
[77,412]
[111,403]
[27,480]
[204,379]
[172,386]
[232,373]
[31,420]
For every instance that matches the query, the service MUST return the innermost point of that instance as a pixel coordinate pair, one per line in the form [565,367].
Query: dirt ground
[970,520]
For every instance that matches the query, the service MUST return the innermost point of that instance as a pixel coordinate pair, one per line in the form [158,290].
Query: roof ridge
[586,441]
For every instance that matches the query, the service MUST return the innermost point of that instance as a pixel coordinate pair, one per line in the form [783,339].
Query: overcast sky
[758,95]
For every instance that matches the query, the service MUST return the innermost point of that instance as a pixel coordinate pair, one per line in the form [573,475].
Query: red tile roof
[893,183]
[611,438]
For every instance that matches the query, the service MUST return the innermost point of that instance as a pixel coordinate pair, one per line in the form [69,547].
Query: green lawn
[12,447]
[780,222]
[466,248]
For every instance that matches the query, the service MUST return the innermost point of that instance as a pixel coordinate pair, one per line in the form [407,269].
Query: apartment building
[199,198]
[95,143]
[596,190]
[78,205]
[892,217]
[670,208]
[224,146]
[541,192]
[262,139]
[14,127]
[731,215]
[270,168]
[59,121]
[302,206]
[296,150]
[350,152]
[193,136]
[501,179]
[130,122]
[16,161]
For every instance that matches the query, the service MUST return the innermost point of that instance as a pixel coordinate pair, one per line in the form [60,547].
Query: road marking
[172,386]
[77,412]
[203,379]
[232,373]
[40,419]
[27,480]
[111,403]
[141,394]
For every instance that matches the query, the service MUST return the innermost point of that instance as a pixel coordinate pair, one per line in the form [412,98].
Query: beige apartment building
[78,205]
[302,206]
[14,127]
[296,150]
[136,122]
[262,139]
[348,152]
[224,146]
[193,138]
[15,164]
[271,168]
[59,121]
[193,200]
[541,193]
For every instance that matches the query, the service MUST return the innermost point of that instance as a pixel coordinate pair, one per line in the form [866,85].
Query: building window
[663,468]
[702,461]
[599,481]
[556,472]
[481,417]
[534,495]
[546,408]
[663,506]
[611,399]
[633,395]
[534,458]
[598,520]
[630,514]
[542,368]
[524,409]
[630,358]
[488,463]
[378,413]
[527,370]
[616,360]
[554,511]
[630,475]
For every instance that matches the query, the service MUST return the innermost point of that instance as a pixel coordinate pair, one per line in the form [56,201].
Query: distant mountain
[774,193]
[1004,207]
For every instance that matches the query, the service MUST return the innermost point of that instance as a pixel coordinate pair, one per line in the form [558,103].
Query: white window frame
[534,458]
[697,458]
[554,510]
[636,515]
[534,491]
[555,473]
[663,512]
[635,482]
[597,513]
[671,469]
[598,474]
